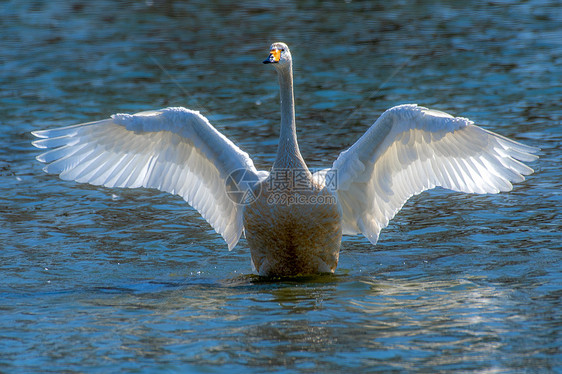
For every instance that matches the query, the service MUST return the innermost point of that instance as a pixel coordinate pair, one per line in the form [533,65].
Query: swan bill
[274,56]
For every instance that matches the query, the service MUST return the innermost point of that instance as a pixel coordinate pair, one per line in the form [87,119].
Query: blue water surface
[108,280]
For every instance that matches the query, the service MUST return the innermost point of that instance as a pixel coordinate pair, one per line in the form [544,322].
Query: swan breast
[293,229]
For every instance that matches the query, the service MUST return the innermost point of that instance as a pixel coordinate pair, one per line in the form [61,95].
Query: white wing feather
[410,149]
[175,150]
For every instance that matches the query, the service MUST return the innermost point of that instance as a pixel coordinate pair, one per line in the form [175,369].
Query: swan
[293,219]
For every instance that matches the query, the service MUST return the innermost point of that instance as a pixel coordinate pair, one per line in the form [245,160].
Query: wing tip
[41,158]
[38,143]
[42,134]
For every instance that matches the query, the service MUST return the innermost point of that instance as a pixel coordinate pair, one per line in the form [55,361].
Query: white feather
[175,150]
[410,149]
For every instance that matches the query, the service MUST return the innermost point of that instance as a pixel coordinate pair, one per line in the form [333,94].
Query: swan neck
[288,153]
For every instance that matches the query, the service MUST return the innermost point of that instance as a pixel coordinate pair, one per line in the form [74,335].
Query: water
[107,280]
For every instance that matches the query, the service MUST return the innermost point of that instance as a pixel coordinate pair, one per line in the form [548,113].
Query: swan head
[279,55]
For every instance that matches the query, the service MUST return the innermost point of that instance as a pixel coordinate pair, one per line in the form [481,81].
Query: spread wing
[175,150]
[410,149]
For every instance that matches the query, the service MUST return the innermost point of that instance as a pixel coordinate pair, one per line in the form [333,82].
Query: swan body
[293,219]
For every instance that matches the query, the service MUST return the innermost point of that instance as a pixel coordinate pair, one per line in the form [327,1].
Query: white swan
[293,219]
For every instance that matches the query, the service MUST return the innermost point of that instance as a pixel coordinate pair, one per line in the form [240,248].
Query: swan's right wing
[410,149]
[175,150]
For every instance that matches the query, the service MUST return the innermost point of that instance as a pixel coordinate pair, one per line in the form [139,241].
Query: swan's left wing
[410,149]
[175,150]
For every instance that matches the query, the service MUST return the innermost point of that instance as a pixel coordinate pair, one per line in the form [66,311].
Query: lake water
[108,280]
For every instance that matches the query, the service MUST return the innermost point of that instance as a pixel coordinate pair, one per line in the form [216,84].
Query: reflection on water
[107,280]
[390,324]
